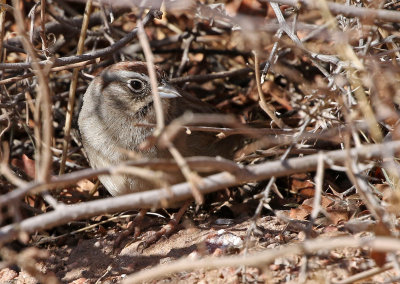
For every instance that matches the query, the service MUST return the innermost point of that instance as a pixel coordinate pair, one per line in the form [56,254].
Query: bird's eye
[136,85]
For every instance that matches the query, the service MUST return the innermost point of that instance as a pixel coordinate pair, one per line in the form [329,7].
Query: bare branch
[347,10]
[381,244]
[87,56]
[180,192]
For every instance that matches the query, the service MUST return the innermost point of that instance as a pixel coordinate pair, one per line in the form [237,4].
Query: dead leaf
[338,216]
[379,257]
[300,182]
[279,95]
[85,185]
[325,202]
[26,165]
[301,212]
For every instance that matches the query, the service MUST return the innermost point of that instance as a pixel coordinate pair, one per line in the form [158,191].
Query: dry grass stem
[72,88]
[346,10]
[268,108]
[153,79]
[44,137]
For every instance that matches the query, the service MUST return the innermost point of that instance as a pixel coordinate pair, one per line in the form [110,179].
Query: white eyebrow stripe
[130,75]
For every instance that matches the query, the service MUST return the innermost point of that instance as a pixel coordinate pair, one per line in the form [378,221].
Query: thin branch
[72,88]
[153,78]
[201,164]
[43,96]
[87,56]
[54,69]
[347,10]
[212,76]
[191,177]
[365,274]
[2,30]
[382,244]
[267,107]
[43,26]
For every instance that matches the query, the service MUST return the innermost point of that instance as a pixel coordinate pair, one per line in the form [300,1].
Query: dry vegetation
[314,194]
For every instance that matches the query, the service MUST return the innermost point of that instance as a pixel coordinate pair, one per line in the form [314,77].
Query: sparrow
[120,98]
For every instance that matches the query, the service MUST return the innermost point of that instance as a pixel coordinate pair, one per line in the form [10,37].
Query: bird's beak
[168,92]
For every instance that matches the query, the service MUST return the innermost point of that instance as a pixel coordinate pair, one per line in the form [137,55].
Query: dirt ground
[91,258]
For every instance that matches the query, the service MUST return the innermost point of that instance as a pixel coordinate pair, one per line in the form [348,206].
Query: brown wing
[200,143]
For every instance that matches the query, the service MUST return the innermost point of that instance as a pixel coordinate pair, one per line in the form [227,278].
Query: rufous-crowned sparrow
[121,97]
